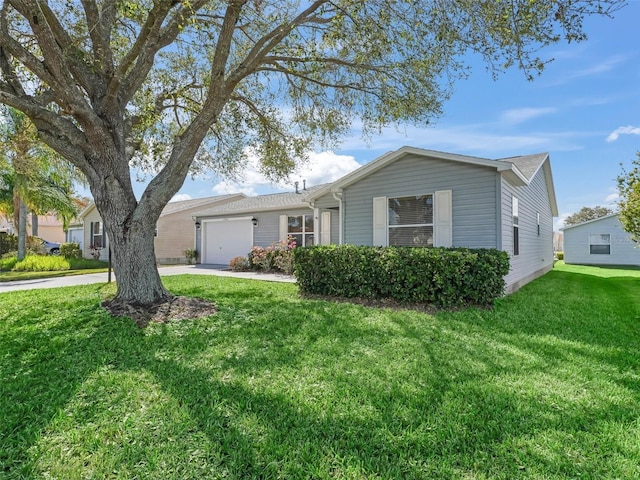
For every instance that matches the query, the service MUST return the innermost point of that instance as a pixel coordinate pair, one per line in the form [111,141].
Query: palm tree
[32,177]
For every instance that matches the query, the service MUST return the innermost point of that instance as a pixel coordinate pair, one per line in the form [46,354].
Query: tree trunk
[130,237]
[22,231]
[34,224]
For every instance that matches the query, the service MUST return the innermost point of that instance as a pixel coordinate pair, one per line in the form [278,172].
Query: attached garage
[223,239]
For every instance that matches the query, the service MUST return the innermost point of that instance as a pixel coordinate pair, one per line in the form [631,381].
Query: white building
[602,241]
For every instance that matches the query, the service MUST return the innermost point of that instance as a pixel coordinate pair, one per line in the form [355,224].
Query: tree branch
[98,24]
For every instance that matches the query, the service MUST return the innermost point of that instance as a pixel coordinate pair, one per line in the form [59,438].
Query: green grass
[41,266]
[546,385]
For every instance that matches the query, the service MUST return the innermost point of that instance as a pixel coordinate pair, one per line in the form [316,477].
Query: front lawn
[546,385]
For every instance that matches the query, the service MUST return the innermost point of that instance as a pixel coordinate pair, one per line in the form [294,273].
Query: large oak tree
[587,213]
[173,86]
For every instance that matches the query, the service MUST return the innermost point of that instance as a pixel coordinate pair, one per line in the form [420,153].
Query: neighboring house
[409,197]
[231,230]
[602,241]
[50,228]
[174,232]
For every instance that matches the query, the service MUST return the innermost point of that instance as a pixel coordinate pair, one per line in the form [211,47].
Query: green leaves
[629,201]
[436,276]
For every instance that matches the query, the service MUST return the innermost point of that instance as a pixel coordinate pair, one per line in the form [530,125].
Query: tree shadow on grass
[278,387]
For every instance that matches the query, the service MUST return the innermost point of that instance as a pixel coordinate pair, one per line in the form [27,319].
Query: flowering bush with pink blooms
[276,257]
[239,264]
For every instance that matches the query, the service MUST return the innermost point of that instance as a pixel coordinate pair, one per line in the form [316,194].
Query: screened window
[301,229]
[516,226]
[411,221]
[600,244]
[97,235]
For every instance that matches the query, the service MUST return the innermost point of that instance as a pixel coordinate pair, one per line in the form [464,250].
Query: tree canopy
[587,213]
[629,200]
[177,86]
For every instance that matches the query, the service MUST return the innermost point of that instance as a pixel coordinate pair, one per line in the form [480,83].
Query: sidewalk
[164,271]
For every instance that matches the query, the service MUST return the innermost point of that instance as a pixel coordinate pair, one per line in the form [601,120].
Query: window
[516,227]
[97,235]
[301,229]
[600,244]
[411,221]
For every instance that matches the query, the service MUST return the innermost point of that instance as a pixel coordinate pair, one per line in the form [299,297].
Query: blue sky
[584,110]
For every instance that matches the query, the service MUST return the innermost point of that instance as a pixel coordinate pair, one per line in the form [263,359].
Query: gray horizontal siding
[268,229]
[473,202]
[536,251]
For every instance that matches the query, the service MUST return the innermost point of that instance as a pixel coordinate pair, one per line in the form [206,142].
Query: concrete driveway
[164,271]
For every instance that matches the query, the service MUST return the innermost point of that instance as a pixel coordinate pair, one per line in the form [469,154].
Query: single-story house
[601,241]
[411,197]
[230,230]
[175,230]
[49,227]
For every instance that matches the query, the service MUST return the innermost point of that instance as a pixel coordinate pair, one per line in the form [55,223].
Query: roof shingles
[274,201]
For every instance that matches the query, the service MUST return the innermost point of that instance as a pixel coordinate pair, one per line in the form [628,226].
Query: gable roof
[569,227]
[261,203]
[518,170]
[530,165]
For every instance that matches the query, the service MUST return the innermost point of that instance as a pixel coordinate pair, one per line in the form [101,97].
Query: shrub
[191,255]
[259,259]
[8,262]
[438,276]
[70,250]
[8,243]
[40,263]
[276,257]
[239,264]
[560,255]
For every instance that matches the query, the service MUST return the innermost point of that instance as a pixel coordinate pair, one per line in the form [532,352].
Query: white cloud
[519,115]
[628,130]
[179,197]
[612,198]
[323,167]
[605,66]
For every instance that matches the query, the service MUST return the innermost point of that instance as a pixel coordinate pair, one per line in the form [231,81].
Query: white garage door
[225,239]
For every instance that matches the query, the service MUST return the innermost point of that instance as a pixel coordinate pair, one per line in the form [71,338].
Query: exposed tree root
[171,308]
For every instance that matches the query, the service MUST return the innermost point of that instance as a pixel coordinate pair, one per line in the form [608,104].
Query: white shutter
[380,227]
[325,228]
[284,227]
[443,234]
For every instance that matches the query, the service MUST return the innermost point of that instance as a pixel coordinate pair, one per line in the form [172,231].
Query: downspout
[338,196]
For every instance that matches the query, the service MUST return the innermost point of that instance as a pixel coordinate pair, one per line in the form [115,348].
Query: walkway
[102,277]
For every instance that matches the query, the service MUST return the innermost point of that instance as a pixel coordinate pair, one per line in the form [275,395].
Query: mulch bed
[174,308]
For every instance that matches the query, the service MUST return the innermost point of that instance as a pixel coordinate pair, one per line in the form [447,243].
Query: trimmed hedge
[444,277]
